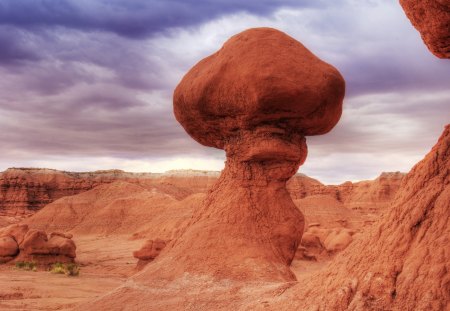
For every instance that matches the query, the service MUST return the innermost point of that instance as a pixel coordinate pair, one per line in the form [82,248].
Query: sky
[87,84]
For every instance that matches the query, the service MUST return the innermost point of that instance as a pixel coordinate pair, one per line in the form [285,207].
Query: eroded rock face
[19,243]
[8,246]
[402,263]
[432,19]
[148,252]
[256,98]
[24,191]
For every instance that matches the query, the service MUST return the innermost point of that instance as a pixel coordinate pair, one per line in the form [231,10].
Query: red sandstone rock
[116,208]
[338,240]
[45,186]
[150,250]
[38,248]
[25,191]
[432,19]
[17,231]
[8,246]
[262,83]
[257,98]
[403,262]
[61,246]
[35,243]
[60,234]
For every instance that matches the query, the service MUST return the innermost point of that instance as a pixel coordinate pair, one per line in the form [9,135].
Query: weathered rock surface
[148,252]
[25,191]
[369,195]
[8,246]
[19,243]
[47,186]
[117,208]
[432,19]
[403,263]
[256,98]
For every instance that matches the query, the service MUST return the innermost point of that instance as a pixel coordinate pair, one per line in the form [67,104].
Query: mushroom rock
[256,98]
[432,19]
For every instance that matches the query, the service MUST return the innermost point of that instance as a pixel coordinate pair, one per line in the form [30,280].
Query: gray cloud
[93,79]
[131,18]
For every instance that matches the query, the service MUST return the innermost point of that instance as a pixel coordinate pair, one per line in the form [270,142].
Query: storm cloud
[88,84]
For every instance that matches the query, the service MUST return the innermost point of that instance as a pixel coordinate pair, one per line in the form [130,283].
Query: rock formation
[19,243]
[8,248]
[432,19]
[403,263]
[256,98]
[116,208]
[368,195]
[149,251]
[25,191]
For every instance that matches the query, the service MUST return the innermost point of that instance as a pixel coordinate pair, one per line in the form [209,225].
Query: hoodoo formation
[256,98]
[432,19]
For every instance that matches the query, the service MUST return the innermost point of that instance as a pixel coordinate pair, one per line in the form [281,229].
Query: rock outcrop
[25,191]
[368,195]
[148,252]
[256,98]
[19,243]
[116,208]
[403,263]
[8,248]
[432,19]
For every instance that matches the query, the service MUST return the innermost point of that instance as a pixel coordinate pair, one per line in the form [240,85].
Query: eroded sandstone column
[256,98]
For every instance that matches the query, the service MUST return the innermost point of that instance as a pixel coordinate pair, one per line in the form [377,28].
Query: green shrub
[69,269]
[25,265]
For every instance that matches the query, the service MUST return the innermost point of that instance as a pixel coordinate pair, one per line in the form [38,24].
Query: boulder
[8,246]
[17,231]
[35,243]
[150,250]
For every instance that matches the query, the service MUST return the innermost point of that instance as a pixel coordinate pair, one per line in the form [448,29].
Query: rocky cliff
[402,263]
[23,191]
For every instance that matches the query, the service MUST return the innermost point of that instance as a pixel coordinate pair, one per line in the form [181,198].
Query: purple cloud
[131,18]
[94,79]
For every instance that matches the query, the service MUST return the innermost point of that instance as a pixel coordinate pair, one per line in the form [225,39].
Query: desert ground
[149,207]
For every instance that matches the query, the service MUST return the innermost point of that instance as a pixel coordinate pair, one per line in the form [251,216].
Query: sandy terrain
[105,262]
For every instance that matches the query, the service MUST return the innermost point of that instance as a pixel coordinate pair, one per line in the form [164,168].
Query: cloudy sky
[87,84]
